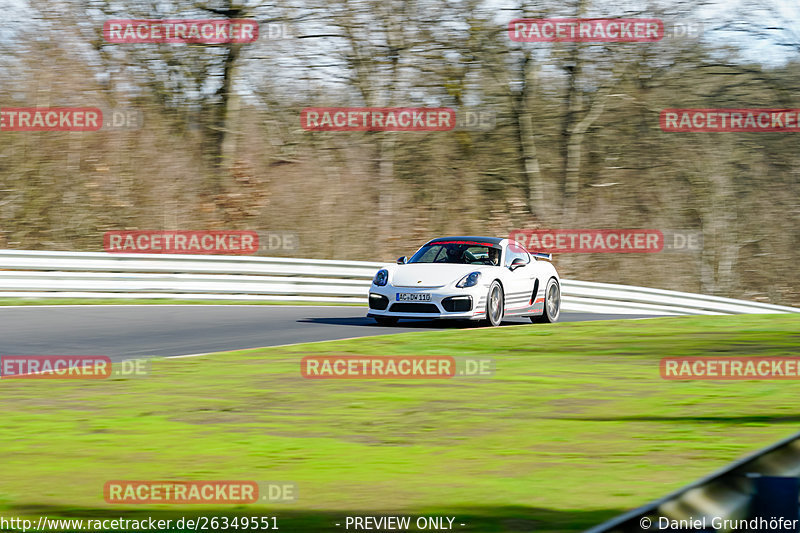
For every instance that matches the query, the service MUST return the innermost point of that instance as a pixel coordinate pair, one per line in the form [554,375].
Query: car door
[519,282]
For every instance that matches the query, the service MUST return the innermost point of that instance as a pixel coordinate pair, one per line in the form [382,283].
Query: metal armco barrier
[42,274]
[728,493]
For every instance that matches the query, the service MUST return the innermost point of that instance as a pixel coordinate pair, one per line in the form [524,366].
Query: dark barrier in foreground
[756,486]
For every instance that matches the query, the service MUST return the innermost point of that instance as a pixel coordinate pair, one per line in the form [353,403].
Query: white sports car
[475,278]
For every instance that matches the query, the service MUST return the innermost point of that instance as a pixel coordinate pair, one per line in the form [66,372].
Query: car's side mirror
[402,260]
[516,263]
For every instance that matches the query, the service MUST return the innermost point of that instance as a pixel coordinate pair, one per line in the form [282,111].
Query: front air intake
[378,301]
[457,304]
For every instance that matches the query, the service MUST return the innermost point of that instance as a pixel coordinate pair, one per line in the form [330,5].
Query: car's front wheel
[386,320]
[494,304]
[552,304]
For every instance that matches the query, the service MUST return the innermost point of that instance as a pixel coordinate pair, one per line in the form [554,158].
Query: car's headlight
[381,277]
[470,280]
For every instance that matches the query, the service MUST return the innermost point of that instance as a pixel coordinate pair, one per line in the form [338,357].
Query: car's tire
[385,320]
[495,302]
[552,304]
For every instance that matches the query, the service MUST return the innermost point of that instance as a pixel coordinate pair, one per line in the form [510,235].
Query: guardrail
[723,494]
[40,274]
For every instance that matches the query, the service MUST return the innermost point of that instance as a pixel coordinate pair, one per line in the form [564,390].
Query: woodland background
[576,143]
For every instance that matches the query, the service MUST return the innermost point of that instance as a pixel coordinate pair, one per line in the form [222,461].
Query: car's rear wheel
[386,320]
[552,304]
[495,301]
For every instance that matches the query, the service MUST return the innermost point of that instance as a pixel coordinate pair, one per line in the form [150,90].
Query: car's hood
[421,275]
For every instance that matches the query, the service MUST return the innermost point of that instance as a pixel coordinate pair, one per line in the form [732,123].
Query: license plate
[412,297]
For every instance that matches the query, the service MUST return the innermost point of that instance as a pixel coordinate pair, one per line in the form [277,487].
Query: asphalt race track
[122,332]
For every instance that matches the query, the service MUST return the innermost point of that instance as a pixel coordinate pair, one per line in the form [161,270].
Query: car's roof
[493,241]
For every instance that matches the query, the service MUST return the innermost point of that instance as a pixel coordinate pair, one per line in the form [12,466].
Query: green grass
[575,427]
[153,301]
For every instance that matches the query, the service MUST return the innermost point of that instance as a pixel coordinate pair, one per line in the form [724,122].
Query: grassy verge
[154,301]
[575,427]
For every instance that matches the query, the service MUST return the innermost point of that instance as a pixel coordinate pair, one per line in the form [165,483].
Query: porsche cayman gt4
[474,278]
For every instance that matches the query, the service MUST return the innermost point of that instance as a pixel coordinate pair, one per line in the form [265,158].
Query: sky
[753,27]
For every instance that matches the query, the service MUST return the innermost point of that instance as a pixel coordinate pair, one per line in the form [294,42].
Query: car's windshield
[460,253]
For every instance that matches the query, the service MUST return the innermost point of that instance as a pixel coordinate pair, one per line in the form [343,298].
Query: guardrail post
[775,500]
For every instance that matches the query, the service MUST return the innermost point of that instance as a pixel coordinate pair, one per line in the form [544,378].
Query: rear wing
[537,255]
